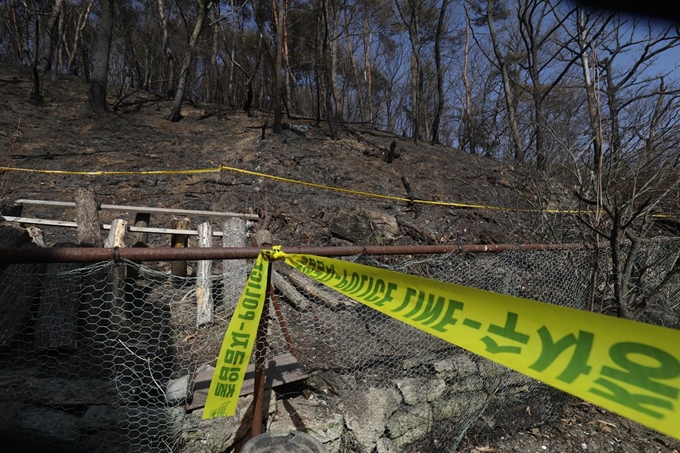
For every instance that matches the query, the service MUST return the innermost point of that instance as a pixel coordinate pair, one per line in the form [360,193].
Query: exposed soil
[136,136]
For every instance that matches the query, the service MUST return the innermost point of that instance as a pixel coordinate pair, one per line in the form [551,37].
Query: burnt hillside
[136,136]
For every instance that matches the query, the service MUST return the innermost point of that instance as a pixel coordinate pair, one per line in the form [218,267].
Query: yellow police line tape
[237,345]
[627,367]
[303,183]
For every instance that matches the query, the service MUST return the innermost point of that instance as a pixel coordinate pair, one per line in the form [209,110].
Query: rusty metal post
[260,366]
[282,321]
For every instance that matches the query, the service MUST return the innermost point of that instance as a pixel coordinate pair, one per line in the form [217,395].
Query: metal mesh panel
[89,364]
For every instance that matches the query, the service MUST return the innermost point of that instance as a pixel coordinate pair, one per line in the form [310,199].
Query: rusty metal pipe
[88,254]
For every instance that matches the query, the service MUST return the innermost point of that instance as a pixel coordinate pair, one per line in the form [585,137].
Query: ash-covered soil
[136,136]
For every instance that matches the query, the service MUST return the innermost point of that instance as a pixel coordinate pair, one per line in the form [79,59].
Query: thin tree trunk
[614,110]
[327,72]
[591,97]
[318,77]
[167,58]
[367,69]
[80,25]
[413,26]
[467,115]
[213,88]
[231,90]
[21,39]
[51,38]
[278,66]
[176,113]
[291,81]
[436,121]
[36,95]
[100,71]
[355,71]
[507,84]
[59,48]
[335,20]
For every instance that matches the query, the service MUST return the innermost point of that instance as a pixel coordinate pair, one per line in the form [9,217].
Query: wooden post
[234,272]
[204,301]
[117,273]
[87,217]
[179,268]
[142,219]
[57,320]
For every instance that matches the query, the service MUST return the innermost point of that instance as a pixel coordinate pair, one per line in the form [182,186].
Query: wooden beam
[131,229]
[116,276]
[282,369]
[115,207]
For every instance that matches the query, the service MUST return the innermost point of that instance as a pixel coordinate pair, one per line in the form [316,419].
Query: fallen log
[287,290]
[330,300]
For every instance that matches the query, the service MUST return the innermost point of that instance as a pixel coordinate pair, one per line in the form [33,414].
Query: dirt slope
[62,135]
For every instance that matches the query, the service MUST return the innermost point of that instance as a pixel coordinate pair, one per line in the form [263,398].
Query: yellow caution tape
[627,367]
[112,172]
[237,345]
[309,184]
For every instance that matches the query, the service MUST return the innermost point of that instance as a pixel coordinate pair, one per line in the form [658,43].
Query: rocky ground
[62,135]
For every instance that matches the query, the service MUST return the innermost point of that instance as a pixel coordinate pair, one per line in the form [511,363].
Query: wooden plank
[282,369]
[204,301]
[33,221]
[131,229]
[115,207]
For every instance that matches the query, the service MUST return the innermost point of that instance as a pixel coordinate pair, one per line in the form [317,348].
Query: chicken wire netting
[109,357]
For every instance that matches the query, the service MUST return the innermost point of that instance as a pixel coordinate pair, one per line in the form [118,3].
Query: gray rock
[177,390]
[456,366]
[100,416]
[366,415]
[458,405]
[214,435]
[410,423]
[364,226]
[416,390]
[318,418]
[53,425]
[294,442]
[331,383]
[385,445]
[69,392]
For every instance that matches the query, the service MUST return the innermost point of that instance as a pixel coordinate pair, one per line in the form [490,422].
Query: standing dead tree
[632,174]
[203,7]
[100,72]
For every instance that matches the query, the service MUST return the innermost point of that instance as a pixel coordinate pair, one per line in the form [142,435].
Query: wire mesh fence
[110,357]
